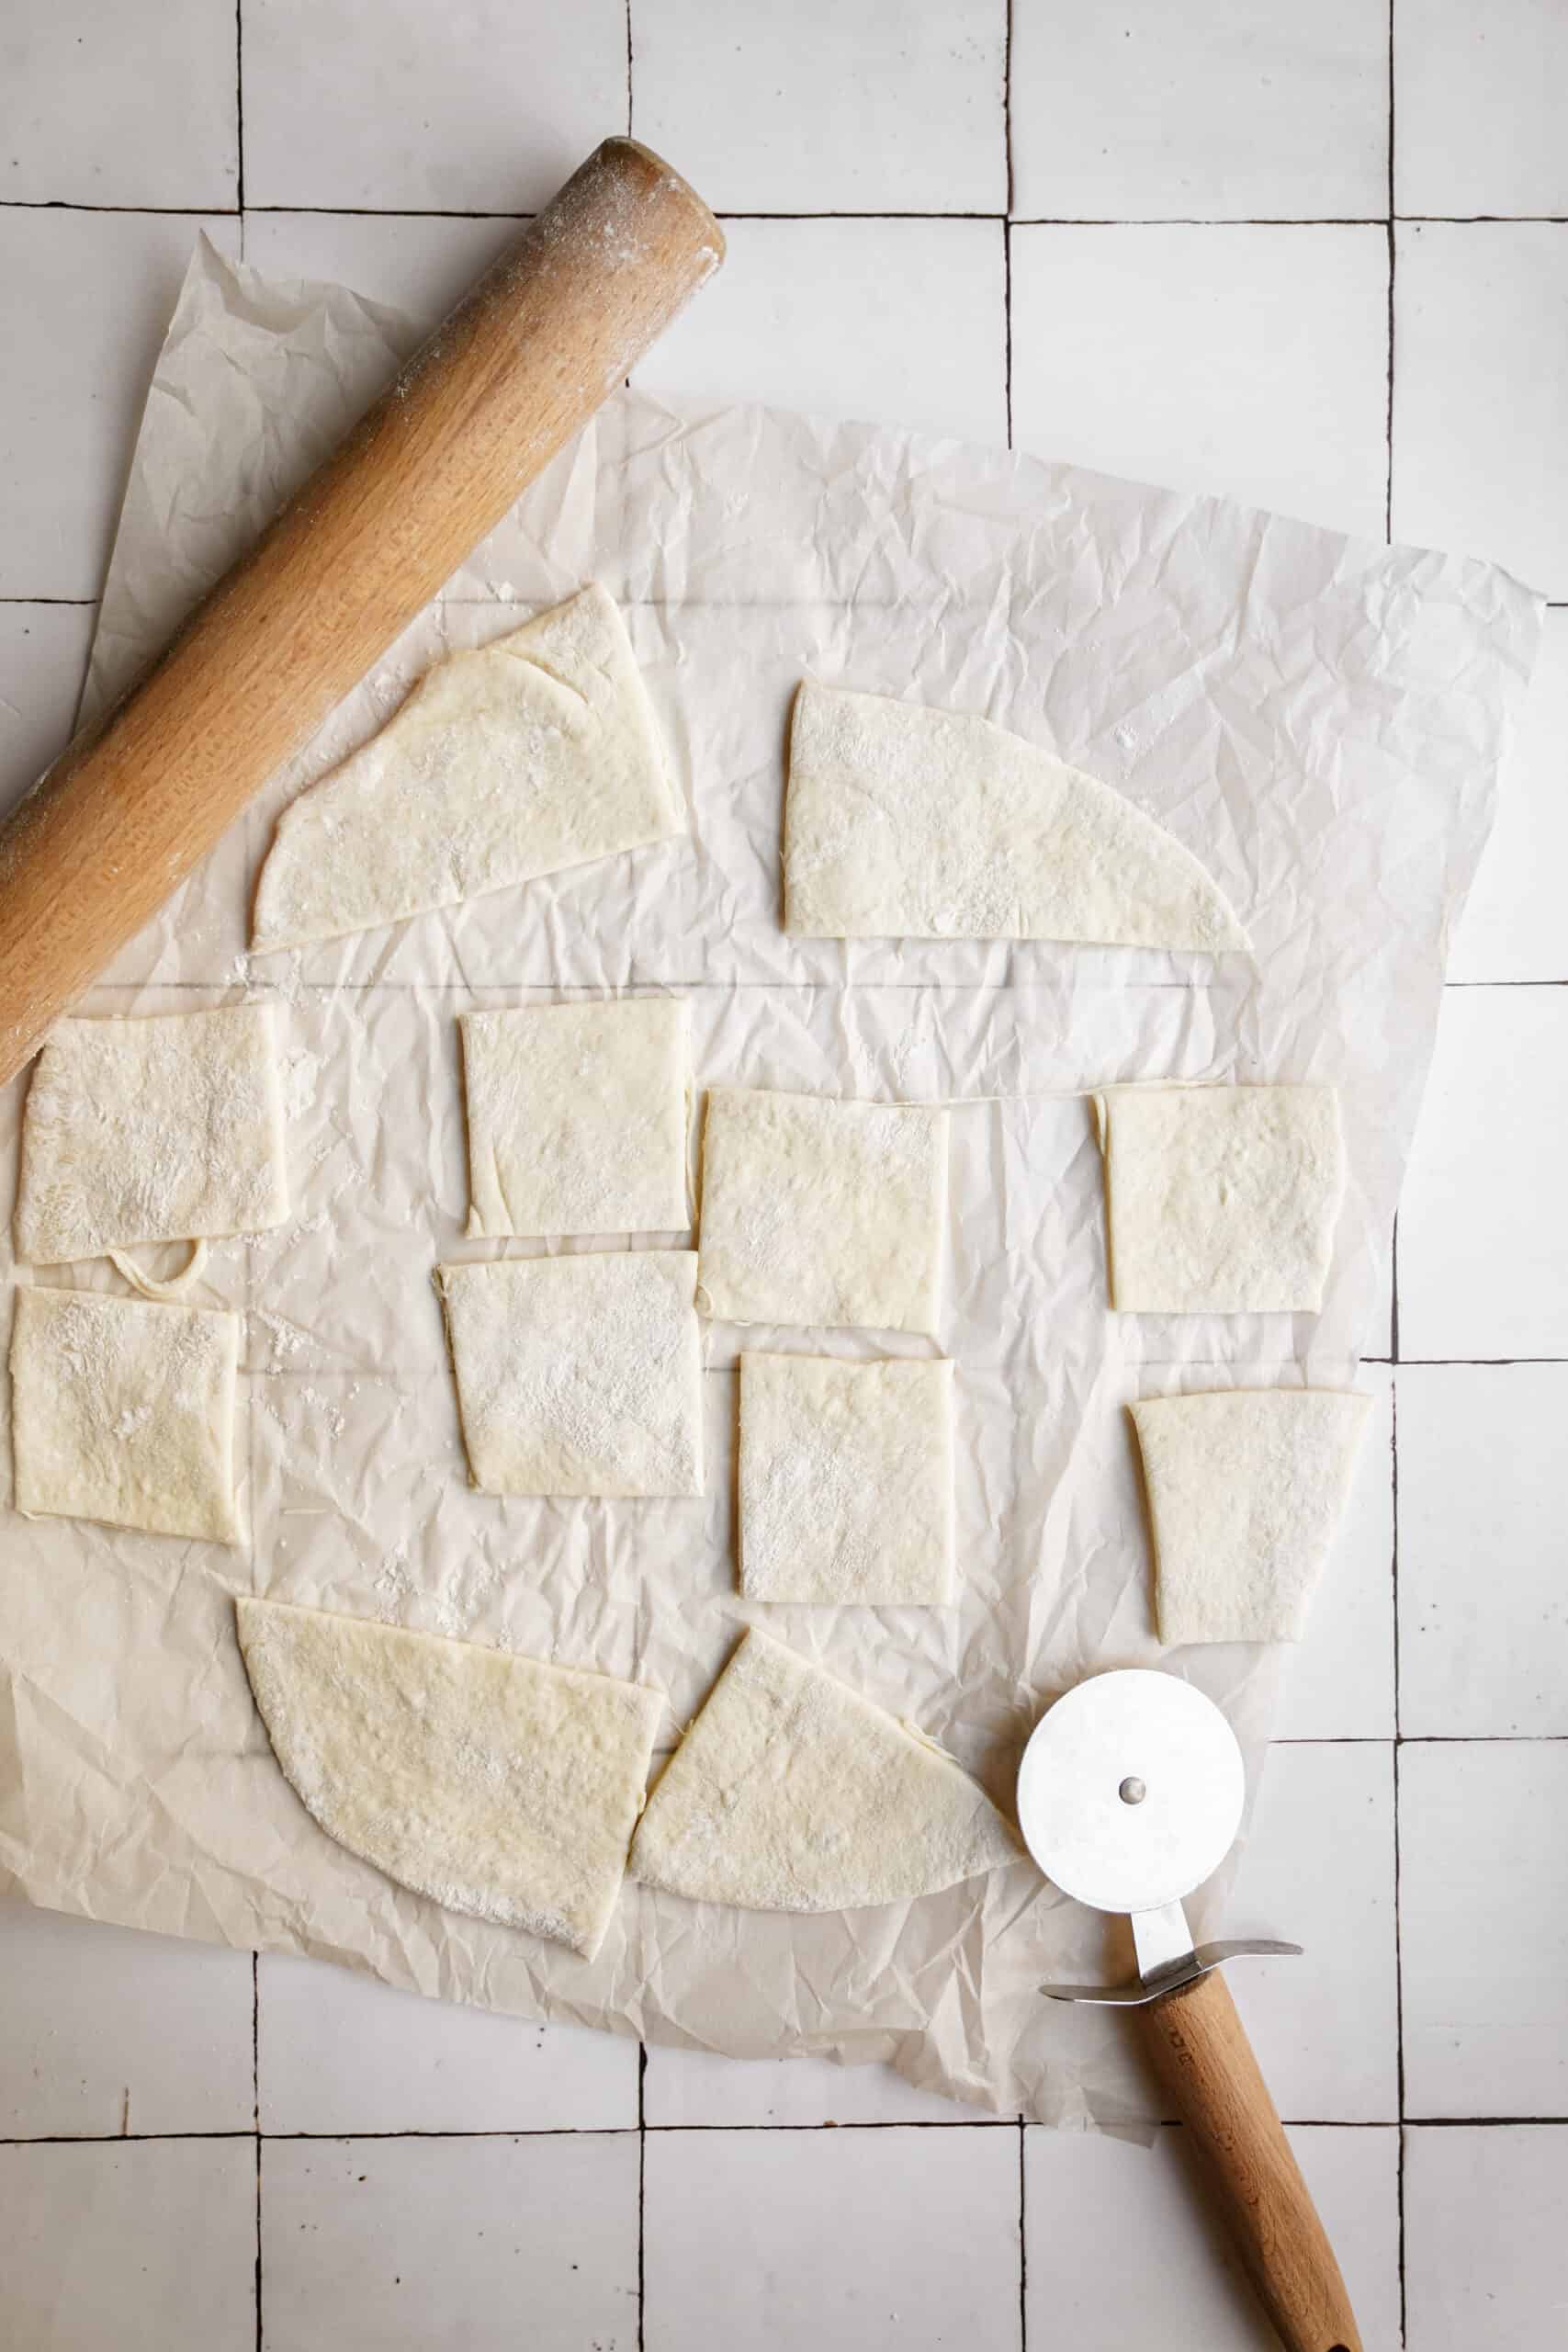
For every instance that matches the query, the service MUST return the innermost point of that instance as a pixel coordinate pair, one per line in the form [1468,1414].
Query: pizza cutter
[1129,1796]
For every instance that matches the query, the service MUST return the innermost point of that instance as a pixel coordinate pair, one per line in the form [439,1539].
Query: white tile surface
[140,2245]
[1484,2239]
[1339,1679]
[43,659]
[103,2030]
[1482,1271]
[1483,1552]
[94,112]
[1479,107]
[411,262]
[1318,1870]
[84,299]
[894,2241]
[849,105]
[367,2245]
[1095,2285]
[1480,390]
[337,2052]
[694,2086]
[1268,346]
[486,106]
[865,318]
[1217,110]
[1513,927]
[1483,1926]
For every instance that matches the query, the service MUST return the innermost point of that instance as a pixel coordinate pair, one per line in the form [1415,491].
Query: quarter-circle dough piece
[494,1784]
[123,1411]
[166,1128]
[1246,1490]
[791,1792]
[1220,1200]
[537,752]
[909,823]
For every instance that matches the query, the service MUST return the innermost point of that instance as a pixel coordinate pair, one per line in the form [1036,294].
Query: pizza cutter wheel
[1129,1796]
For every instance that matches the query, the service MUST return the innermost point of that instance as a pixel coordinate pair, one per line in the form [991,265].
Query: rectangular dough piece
[1220,1200]
[846,1481]
[168,1128]
[577,1117]
[822,1212]
[578,1375]
[122,1410]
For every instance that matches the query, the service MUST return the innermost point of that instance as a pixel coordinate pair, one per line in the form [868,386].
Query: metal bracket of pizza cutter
[1129,1795]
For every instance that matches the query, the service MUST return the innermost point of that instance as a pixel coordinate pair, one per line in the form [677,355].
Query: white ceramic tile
[1479,107]
[43,659]
[1482,1551]
[140,2246]
[391,104]
[94,111]
[1268,346]
[1480,388]
[1318,1870]
[86,298]
[888,321]
[1481,1268]
[1513,927]
[1217,110]
[104,2031]
[337,2052]
[1483,1926]
[420,265]
[846,2241]
[697,2087]
[1116,2233]
[1339,1679]
[1484,2238]
[848,105]
[367,2245]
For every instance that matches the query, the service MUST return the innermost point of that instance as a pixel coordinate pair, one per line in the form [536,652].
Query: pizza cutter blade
[1129,1796]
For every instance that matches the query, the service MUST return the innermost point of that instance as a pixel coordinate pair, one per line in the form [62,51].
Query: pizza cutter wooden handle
[129,808]
[1205,2061]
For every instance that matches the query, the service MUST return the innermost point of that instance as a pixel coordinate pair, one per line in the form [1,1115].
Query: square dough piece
[123,1411]
[1220,1200]
[815,1211]
[578,1375]
[846,1481]
[577,1117]
[161,1129]
[1247,1488]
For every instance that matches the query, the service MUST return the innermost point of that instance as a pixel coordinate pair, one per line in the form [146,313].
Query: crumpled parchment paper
[1320,720]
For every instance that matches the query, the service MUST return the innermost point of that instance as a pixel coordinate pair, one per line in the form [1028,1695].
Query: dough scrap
[495,1784]
[539,752]
[846,1481]
[791,1792]
[1220,1200]
[580,1374]
[167,1128]
[817,1211]
[1246,1488]
[577,1117]
[909,823]
[123,1411]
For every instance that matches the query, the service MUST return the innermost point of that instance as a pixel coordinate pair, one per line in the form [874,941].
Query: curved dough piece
[539,752]
[493,1783]
[907,823]
[1220,1200]
[790,1793]
[1246,1488]
[167,1128]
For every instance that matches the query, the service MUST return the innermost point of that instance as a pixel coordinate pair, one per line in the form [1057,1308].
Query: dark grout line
[1022,2236]
[49,600]
[1037,221]
[1394,1354]
[156,212]
[1196,220]
[630,55]
[1007,106]
[1388,492]
[1007,328]
[240,109]
[641,2194]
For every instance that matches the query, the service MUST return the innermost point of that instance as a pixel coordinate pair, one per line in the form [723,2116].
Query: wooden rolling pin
[131,803]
